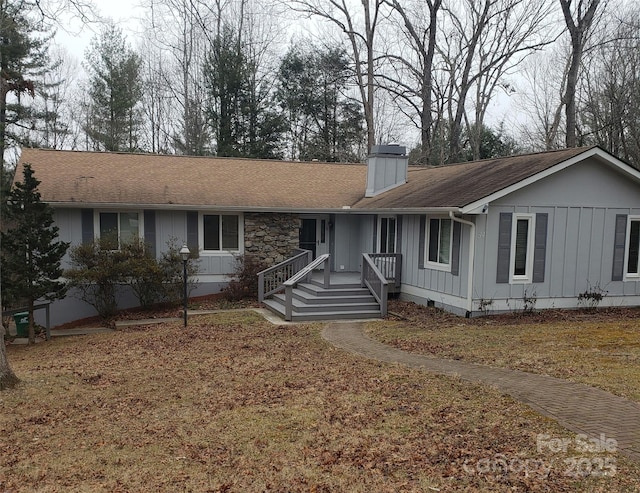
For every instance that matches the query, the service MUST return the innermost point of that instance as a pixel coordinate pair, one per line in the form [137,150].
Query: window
[439,245]
[632,249]
[522,248]
[115,228]
[387,235]
[220,232]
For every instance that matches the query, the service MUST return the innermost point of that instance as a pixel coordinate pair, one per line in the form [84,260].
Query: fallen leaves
[236,404]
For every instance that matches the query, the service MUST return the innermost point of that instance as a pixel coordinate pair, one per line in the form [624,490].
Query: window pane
[445,241]
[109,230]
[383,235]
[128,226]
[522,240]
[230,232]
[634,248]
[392,235]
[434,235]
[211,227]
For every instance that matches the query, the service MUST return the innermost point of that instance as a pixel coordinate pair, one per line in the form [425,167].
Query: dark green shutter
[150,231]
[455,248]
[620,239]
[399,234]
[540,247]
[86,220]
[504,247]
[421,241]
[192,232]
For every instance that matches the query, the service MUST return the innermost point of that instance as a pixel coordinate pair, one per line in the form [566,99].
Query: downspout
[472,246]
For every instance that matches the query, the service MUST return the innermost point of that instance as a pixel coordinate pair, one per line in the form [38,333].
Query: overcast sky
[76,40]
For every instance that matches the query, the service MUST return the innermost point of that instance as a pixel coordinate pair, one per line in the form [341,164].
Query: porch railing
[304,274]
[376,281]
[389,264]
[272,280]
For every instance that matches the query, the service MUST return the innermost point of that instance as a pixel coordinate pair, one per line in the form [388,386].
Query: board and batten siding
[581,204]
[353,236]
[162,225]
[423,284]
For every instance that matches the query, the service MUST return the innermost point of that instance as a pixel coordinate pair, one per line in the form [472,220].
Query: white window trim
[96,221]
[627,243]
[213,253]
[528,276]
[437,265]
[379,239]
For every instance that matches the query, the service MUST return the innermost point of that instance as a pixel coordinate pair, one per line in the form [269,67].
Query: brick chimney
[386,168]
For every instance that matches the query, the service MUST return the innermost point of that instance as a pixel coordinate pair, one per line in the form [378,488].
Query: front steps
[311,301]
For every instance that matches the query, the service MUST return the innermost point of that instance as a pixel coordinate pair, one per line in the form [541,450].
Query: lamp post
[184,253]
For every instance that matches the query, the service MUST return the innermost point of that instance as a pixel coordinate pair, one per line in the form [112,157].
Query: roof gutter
[246,208]
[472,245]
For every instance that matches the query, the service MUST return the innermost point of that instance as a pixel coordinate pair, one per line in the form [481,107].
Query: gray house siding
[423,284]
[353,236]
[579,240]
[213,269]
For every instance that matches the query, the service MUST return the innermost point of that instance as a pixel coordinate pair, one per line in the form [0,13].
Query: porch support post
[288,303]
[260,287]
[327,274]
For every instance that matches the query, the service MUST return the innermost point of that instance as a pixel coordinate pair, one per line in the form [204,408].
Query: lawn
[596,347]
[236,404]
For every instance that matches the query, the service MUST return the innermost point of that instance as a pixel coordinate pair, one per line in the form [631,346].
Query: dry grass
[236,404]
[599,348]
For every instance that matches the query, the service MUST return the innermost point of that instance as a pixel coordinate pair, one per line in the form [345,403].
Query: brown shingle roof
[156,180]
[458,185]
[146,179]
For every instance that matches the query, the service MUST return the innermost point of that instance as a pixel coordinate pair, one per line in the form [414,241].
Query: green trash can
[22,324]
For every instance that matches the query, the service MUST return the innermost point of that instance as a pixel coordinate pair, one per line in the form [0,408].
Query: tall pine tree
[31,253]
[23,58]
[115,90]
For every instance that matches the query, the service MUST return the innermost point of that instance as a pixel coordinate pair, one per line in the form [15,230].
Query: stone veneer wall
[271,237]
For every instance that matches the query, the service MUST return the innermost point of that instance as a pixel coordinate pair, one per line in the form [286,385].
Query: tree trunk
[578,30]
[8,379]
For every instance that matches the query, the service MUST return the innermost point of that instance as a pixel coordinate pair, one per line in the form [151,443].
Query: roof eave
[478,206]
[296,210]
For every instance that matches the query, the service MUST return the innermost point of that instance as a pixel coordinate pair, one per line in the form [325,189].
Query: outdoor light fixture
[184,253]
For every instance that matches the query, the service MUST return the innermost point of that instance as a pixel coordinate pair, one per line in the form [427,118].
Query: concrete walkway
[577,407]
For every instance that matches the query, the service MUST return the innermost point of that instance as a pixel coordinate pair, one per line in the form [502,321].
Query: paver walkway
[577,407]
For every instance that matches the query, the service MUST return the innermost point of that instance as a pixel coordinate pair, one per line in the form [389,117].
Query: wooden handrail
[305,273]
[272,279]
[376,281]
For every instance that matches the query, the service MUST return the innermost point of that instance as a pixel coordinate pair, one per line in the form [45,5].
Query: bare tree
[540,100]
[487,40]
[345,16]
[579,19]
[420,30]
[609,105]
[174,27]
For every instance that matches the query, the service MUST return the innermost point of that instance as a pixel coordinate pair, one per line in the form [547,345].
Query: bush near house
[243,282]
[98,272]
